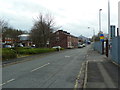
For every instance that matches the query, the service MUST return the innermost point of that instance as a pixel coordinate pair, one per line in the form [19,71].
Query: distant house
[64,39]
[25,40]
[82,39]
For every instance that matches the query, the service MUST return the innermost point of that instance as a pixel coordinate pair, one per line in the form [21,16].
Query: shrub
[8,53]
[61,48]
[35,50]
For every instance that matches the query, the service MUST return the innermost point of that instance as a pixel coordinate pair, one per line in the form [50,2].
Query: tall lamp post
[100,20]
[109,33]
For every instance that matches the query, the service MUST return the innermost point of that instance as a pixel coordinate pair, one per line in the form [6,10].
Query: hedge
[8,53]
[35,50]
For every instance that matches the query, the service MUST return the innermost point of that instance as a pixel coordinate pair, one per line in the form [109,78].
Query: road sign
[101,37]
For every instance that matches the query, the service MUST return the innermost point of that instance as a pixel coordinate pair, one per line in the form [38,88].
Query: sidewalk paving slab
[101,72]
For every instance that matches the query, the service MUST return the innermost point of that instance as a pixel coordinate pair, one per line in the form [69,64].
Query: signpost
[102,37]
[102,40]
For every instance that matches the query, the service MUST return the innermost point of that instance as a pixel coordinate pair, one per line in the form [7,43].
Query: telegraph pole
[100,20]
[109,33]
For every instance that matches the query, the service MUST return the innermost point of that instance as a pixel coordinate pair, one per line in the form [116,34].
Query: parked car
[20,45]
[57,47]
[8,46]
[70,47]
[88,42]
[84,44]
[80,46]
[33,46]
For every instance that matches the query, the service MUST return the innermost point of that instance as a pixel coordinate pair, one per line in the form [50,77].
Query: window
[57,33]
[57,38]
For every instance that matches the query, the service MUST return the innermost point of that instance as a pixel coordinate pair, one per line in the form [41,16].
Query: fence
[98,46]
[115,50]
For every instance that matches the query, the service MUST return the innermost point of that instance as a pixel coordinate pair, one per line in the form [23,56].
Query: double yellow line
[79,75]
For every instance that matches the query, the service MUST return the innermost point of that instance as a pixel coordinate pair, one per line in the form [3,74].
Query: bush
[35,50]
[8,53]
[61,48]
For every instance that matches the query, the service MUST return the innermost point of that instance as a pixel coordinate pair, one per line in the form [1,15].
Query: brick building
[64,39]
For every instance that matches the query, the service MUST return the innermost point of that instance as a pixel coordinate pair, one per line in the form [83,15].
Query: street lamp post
[109,33]
[100,20]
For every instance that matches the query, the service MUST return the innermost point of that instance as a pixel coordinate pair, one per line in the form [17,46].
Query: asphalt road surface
[55,70]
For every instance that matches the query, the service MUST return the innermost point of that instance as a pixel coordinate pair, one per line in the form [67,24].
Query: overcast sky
[75,16]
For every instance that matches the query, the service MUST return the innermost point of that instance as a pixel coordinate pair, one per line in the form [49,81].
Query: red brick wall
[74,41]
[64,40]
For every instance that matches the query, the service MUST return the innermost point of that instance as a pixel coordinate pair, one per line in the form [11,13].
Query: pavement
[100,72]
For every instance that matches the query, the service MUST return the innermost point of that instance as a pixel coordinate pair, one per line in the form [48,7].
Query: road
[55,70]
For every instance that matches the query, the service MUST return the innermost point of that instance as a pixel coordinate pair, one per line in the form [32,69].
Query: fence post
[117,32]
[107,47]
[102,47]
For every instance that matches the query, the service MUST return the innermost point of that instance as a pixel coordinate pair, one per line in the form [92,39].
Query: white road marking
[7,82]
[40,67]
[67,56]
[2,84]
[10,80]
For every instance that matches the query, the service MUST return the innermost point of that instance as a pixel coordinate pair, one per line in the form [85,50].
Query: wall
[98,46]
[115,50]
[64,39]
[119,16]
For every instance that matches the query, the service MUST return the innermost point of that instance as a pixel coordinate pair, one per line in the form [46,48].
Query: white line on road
[40,67]
[67,56]
[2,84]
[10,80]
[7,82]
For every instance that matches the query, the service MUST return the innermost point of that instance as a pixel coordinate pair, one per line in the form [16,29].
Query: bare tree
[3,24]
[42,30]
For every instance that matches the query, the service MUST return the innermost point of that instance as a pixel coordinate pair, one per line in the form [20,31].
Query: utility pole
[109,33]
[100,20]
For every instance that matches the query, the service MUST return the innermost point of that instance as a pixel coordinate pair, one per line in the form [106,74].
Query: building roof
[23,35]
[67,33]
